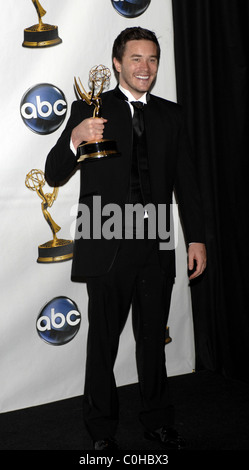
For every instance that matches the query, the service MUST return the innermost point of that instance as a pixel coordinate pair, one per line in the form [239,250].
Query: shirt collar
[130,97]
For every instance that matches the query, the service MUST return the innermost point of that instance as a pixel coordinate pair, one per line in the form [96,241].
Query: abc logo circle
[43,108]
[59,321]
[130,8]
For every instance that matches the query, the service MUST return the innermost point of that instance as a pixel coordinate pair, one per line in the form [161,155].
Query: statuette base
[55,251]
[95,150]
[38,36]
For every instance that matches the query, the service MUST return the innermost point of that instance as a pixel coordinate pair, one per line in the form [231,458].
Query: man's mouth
[143,77]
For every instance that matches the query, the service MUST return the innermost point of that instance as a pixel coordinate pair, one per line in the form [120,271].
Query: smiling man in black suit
[154,160]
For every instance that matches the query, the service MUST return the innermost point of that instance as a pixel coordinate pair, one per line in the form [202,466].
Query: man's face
[139,66]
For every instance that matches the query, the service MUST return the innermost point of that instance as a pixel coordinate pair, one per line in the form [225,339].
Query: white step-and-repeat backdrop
[43,326]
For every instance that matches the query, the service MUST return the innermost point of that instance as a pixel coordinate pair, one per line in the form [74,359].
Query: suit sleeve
[187,190]
[61,161]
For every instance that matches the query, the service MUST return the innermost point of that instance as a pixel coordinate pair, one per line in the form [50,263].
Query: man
[131,271]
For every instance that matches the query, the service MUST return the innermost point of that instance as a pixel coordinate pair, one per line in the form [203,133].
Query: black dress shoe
[167,437]
[105,444]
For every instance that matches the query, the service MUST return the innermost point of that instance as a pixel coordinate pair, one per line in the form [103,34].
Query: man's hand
[90,129]
[197,258]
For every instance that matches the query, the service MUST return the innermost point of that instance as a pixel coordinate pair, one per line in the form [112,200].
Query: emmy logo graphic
[57,249]
[41,34]
[99,79]
[130,8]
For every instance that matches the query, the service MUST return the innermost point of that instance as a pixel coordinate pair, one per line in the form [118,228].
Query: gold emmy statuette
[99,78]
[41,34]
[57,249]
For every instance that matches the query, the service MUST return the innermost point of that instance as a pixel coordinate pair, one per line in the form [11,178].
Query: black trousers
[135,279]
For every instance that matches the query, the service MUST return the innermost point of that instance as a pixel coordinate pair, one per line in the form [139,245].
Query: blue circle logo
[43,108]
[59,321]
[130,8]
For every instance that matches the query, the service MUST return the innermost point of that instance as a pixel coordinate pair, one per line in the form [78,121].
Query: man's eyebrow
[141,55]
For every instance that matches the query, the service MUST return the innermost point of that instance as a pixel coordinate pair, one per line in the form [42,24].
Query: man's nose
[145,65]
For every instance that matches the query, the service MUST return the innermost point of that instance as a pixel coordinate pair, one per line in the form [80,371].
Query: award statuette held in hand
[41,34]
[57,249]
[99,78]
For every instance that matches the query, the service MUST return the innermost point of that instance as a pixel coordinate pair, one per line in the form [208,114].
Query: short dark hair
[131,34]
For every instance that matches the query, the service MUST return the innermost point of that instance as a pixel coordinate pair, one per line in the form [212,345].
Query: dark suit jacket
[170,167]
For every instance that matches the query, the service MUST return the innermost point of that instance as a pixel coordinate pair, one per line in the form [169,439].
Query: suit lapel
[153,126]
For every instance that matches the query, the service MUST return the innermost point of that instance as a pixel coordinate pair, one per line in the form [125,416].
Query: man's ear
[116,64]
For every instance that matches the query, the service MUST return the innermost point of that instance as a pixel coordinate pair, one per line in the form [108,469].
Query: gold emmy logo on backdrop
[57,249]
[41,34]
[99,78]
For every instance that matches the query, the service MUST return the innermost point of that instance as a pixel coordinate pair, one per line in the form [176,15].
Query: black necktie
[140,190]
[139,183]
[138,119]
